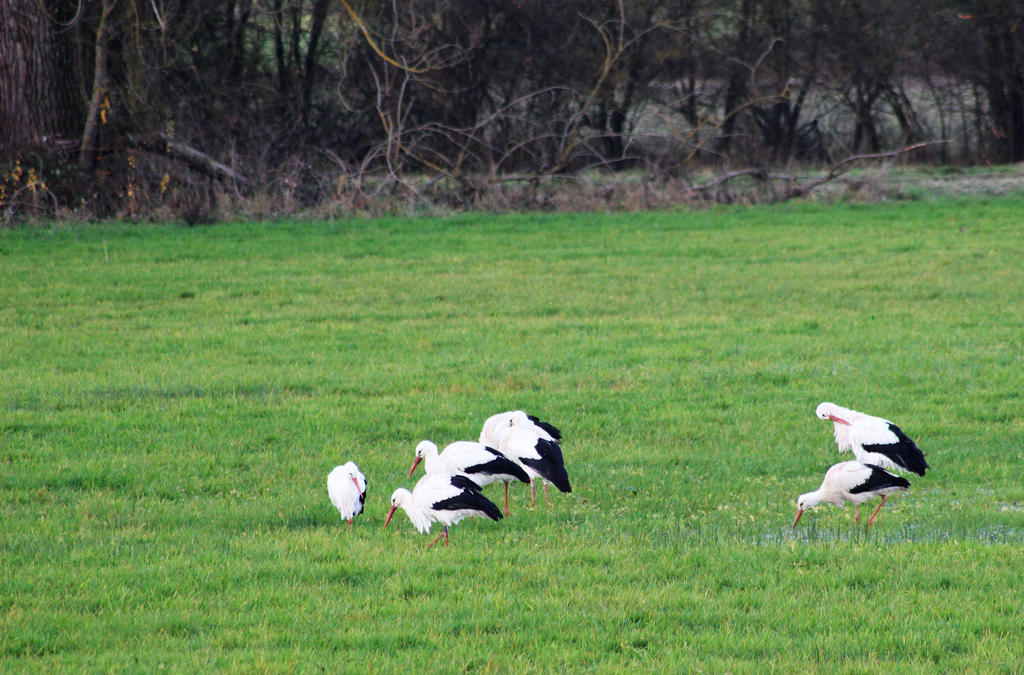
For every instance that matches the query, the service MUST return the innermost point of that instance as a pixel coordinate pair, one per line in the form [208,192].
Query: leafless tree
[292,104]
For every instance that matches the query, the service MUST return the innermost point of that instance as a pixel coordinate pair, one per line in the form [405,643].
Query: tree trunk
[37,103]
[100,91]
[283,80]
[309,68]
[236,38]
[1004,81]
[737,92]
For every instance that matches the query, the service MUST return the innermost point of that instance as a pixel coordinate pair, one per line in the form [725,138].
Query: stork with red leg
[534,449]
[442,498]
[533,444]
[873,440]
[854,482]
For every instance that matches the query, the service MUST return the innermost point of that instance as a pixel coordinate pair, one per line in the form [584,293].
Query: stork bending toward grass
[481,464]
[442,498]
[873,440]
[855,482]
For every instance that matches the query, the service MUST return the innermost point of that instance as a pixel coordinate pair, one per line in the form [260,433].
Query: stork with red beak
[852,482]
[346,486]
[442,498]
[481,464]
[873,440]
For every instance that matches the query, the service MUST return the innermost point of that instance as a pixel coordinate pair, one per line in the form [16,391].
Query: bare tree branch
[199,161]
[373,44]
[797,190]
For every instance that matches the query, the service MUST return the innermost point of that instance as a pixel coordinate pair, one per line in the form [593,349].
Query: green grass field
[172,400]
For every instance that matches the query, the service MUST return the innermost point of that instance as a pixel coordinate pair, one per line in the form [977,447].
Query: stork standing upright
[481,464]
[346,486]
[873,440]
[442,498]
[854,482]
[522,441]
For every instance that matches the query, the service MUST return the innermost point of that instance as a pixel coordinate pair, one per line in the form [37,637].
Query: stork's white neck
[842,434]
[428,451]
[810,499]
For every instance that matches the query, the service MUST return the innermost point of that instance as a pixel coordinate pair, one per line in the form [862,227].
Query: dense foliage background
[183,108]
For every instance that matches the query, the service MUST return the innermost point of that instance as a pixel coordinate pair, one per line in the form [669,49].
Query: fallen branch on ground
[196,159]
[797,189]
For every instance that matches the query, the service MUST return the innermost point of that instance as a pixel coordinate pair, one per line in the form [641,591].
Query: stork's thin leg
[350,522]
[506,498]
[871,520]
[546,500]
[532,499]
[444,533]
[856,513]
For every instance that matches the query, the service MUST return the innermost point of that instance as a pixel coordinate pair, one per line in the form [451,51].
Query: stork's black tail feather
[550,465]
[881,479]
[469,498]
[903,453]
[489,508]
[499,464]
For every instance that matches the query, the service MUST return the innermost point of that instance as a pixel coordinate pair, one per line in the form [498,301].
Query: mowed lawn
[172,400]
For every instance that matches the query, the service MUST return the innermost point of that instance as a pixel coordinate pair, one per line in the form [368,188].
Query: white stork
[442,498]
[873,440]
[855,482]
[346,486]
[481,464]
[535,450]
[488,435]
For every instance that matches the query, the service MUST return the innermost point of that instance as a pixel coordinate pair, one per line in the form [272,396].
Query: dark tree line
[173,107]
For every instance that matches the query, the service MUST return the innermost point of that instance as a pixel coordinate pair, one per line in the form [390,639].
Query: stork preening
[442,498]
[873,440]
[854,482]
[481,464]
[488,435]
[533,447]
[346,486]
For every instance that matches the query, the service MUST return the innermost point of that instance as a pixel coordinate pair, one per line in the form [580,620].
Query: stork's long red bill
[356,483]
